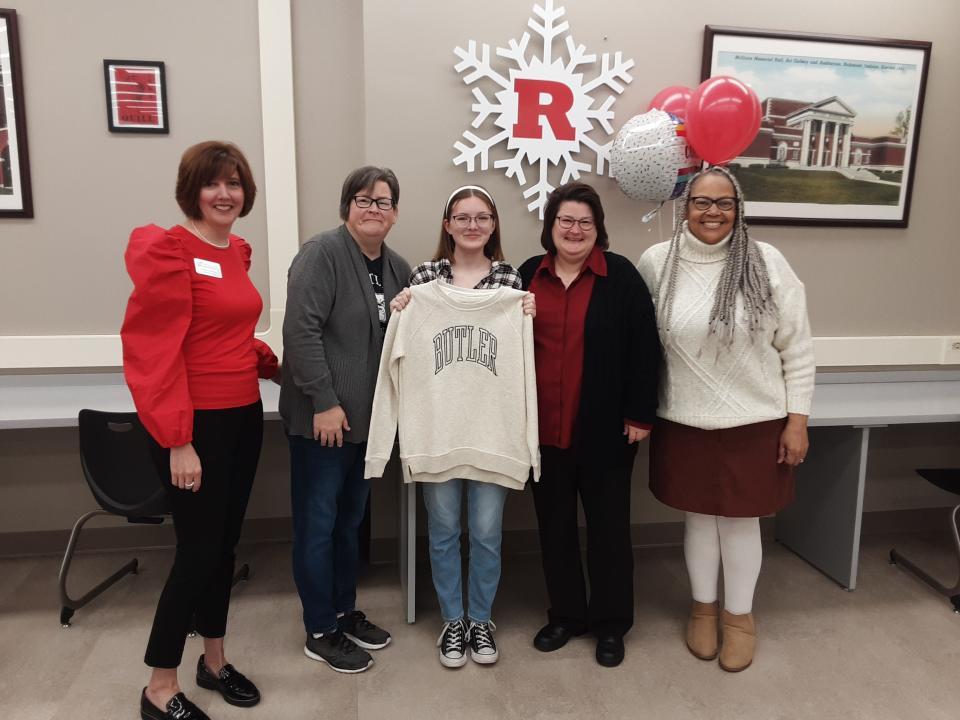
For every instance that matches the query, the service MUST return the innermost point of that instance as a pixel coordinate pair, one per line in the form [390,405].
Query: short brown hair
[492,250]
[574,192]
[363,178]
[208,161]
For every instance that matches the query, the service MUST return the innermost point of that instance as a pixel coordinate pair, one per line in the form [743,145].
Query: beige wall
[863,281]
[62,271]
[374,82]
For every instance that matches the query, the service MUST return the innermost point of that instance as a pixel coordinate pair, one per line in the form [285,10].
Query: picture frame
[840,124]
[136,96]
[16,196]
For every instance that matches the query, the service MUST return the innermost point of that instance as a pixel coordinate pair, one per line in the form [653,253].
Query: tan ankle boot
[702,630]
[739,641]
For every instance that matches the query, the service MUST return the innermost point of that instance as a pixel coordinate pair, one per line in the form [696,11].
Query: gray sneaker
[338,651]
[364,633]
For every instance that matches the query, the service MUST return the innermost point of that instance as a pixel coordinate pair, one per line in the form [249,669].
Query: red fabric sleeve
[158,316]
[245,252]
[267,362]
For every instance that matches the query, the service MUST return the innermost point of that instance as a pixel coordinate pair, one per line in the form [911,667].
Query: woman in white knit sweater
[734,401]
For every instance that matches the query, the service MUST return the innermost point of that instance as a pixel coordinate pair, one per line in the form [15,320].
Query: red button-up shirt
[558,344]
[558,338]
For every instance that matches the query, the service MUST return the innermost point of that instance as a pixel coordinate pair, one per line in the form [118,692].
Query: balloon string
[652,214]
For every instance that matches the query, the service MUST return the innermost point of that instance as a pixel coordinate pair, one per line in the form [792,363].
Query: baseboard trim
[386,550]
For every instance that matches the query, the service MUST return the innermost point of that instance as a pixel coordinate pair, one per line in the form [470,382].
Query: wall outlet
[951,351]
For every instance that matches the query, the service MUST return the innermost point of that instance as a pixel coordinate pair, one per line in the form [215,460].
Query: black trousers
[207,525]
[605,495]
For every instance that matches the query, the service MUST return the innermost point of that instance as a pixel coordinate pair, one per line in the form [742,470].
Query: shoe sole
[702,657]
[735,670]
[208,685]
[365,645]
[349,671]
[453,662]
[484,659]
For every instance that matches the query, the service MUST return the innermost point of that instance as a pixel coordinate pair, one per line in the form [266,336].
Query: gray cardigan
[331,332]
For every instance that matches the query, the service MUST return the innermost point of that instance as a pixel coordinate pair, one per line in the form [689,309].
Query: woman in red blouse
[192,365]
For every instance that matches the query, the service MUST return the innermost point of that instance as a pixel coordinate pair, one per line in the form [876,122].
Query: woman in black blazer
[598,357]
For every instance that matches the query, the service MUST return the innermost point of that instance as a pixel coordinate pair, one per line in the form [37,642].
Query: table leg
[823,524]
[408,549]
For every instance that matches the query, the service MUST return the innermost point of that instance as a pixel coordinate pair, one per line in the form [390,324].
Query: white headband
[446,208]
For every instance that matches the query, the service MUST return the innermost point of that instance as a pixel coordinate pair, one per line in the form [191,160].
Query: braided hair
[744,271]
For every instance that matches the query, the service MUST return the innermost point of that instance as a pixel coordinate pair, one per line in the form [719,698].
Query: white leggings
[707,539]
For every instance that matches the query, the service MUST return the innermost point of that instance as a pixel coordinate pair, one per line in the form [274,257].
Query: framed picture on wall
[16,198]
[136,96]
[840,121]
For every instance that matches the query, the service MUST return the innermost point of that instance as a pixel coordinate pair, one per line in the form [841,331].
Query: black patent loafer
[553,636]
[179,708]
[609,649]
[232,684]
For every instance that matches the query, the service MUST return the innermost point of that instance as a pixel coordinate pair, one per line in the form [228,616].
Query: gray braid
[744,271]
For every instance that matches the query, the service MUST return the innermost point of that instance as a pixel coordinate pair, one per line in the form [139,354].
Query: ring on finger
[191,484]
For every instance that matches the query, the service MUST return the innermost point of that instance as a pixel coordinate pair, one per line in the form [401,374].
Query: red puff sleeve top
[188,331]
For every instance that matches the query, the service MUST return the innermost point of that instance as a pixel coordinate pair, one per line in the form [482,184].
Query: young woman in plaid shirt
[468,255]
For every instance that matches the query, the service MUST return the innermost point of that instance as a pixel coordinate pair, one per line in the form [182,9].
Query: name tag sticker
[207,267]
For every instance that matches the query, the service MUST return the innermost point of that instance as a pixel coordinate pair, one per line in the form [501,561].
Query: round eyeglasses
[483,220]
[567,223]
[703,203]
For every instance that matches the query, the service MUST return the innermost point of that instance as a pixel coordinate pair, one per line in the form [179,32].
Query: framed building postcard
[16,199]
[136,96]
[837,143]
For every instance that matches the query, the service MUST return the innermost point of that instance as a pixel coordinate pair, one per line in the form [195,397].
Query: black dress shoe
[609,649]
[553,636]
[231,683]
[179,708]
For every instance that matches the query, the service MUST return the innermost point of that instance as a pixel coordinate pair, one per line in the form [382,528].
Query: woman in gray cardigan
[339,289]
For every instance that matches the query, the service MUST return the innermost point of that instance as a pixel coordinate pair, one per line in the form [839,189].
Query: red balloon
[723,117]
[673,99]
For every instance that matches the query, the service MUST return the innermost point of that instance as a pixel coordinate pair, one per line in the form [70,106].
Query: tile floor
[889,650]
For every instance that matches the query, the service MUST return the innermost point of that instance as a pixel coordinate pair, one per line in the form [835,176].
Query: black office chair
[115,457]
[946,479]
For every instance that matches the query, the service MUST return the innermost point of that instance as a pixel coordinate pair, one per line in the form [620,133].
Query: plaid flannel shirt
[501,274]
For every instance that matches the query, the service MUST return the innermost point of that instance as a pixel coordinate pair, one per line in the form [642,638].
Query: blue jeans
[328,497]
[484,520]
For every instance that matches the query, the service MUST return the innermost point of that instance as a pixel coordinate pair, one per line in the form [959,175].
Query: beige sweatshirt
[457,372]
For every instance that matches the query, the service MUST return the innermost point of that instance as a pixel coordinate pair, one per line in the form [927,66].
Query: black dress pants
[207,524]
[605,495]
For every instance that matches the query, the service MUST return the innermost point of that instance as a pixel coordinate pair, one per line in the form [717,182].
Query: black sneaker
[338,651]
[453,644]
[364,633]
[483,649]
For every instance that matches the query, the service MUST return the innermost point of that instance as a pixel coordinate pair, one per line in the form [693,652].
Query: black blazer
[621,362]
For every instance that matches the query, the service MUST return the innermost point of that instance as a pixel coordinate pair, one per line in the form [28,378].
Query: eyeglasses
[567,223]
[483,220]
[362,201]
[724,203]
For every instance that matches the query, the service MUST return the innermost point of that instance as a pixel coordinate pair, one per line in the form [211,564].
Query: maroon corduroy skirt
[731,472]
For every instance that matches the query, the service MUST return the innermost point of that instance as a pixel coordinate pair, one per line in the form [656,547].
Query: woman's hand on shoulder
[400,300]
[185,468]
[530,304]
[794,442]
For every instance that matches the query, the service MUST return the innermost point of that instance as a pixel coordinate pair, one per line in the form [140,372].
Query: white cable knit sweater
[756,379]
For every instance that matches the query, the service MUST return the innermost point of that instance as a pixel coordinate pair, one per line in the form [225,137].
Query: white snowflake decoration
[540,152]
